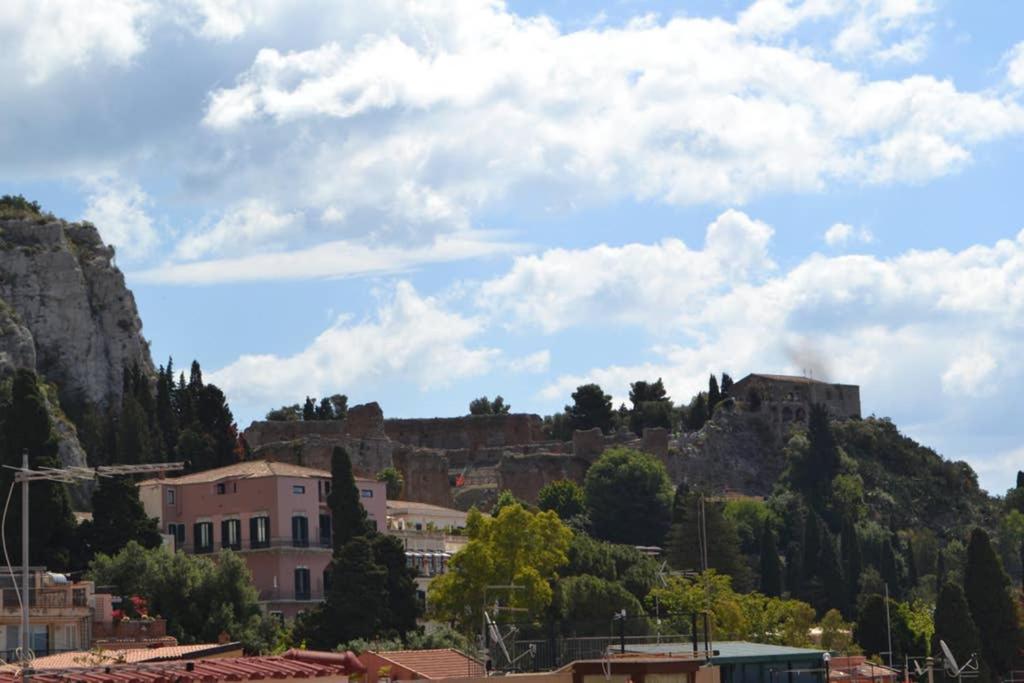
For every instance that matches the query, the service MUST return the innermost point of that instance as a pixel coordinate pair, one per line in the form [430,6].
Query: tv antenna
[968,670]
[65,475]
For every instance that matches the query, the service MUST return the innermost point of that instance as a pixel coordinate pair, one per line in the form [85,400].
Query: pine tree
[954,625]
[349,516]
[987,588]
[355,603]
[771,566]
[119,517]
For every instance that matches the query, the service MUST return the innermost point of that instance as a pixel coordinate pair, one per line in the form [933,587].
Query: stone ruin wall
[492,453]
[471,432]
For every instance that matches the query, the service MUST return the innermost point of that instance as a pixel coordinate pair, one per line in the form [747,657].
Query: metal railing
[45,598]
[276,542]
[315,594]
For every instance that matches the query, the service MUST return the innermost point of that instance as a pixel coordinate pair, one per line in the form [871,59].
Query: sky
[419,203]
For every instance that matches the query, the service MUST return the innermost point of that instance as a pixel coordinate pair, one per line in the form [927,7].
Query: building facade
[431,535]
[786,399]
[274,514]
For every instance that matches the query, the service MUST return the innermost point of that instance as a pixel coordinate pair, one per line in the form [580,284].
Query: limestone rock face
[61,281]
[17,349]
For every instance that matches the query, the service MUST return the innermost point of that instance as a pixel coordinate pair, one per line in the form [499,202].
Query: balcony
[314,544]
[46,598]
[315,594]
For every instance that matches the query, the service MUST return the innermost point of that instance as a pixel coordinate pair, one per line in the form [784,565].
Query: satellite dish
[949,660]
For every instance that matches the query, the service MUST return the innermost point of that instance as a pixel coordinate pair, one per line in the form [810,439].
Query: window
[178,532]
[366,493]
[203,536]
[170,496]
[298,488]
[300,531]
[221,489]
[259,532]
[302,583]
[231,533]
[325,530]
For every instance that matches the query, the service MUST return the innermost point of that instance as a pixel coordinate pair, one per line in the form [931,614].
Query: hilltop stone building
[787,398]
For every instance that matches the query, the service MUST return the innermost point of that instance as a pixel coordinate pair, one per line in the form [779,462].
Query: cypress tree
[27,427]
[987,588]
[890,568]
[870,629]
[726,385]
[954,625]
[714,395]
[771,566]
[852,564]
[349,516]
[822,460]
[356,600]
[835,589]
[309,409]
[401,606]
[794,569]
[912,577]
[697,414]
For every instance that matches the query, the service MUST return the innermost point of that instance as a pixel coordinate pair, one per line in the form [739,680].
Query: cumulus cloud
[1015,65]
[411,339]
[633,284]
[534,362]
[480,104]
[119,209]
[842,234]
[250,224]
[43,37]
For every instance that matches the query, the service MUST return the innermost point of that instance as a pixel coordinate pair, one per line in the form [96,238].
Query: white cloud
[970,374]
[887,31]
[842,234]
[43,37]
[335,259]
[411,339]
[252,223]
[1015,65]
[474,105]
[118,209]
[635,283]
[534,362]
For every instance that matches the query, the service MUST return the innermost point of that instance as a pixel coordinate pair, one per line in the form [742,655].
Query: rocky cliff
[65,312]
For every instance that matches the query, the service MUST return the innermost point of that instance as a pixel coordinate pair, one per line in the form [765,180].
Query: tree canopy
[517,547]
[629,497]
[485,406]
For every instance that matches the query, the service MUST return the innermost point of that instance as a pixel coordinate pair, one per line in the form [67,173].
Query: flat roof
[734,651]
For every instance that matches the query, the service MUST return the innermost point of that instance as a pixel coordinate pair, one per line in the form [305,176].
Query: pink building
[274,514]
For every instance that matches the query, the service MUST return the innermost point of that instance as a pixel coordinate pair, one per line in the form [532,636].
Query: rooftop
[731,651]
[796,379]
[413,506]
[434,664]
[290,665]
[67,660]
[251,469]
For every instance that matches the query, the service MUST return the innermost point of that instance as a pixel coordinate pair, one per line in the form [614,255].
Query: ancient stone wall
[525,475]
[471,432]
[426,474]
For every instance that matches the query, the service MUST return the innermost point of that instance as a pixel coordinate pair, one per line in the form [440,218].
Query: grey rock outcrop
[61,281]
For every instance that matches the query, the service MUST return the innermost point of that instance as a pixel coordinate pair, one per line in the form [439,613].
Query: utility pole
[888,624]
[65,475]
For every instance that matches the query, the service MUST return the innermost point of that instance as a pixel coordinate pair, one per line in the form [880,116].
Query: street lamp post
[65,475]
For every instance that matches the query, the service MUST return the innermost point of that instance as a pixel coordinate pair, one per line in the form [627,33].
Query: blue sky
[420,203]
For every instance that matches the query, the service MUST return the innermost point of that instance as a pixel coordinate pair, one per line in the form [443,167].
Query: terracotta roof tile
[67,660]
[435,664]
[205,670]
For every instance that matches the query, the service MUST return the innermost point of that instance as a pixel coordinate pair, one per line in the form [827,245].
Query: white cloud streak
[118,208]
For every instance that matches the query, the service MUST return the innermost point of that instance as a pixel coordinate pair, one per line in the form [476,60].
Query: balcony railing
[315,594]
[45,598]
[277,542]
